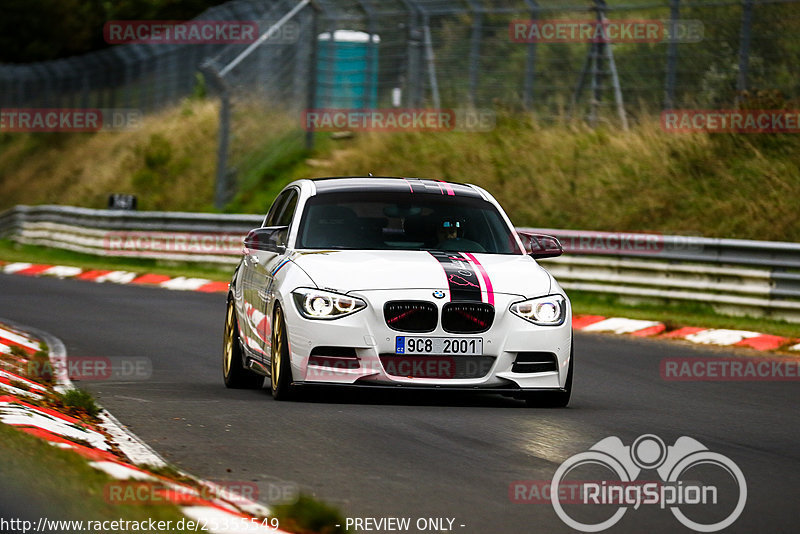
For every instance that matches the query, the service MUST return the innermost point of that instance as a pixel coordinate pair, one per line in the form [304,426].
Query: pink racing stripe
[484,275]
[448,187]
[409,185]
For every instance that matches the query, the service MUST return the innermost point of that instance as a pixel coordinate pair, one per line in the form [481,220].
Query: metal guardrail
[733,275]
[196,237]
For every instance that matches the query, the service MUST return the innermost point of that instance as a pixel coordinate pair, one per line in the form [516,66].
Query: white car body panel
[266,279]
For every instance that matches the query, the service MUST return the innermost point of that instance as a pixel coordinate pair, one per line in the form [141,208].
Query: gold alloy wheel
[277,349]
[227,356]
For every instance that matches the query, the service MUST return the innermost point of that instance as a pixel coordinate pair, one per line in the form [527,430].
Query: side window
[277,208]
[287,212]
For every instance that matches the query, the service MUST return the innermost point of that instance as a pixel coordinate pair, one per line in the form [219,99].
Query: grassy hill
[553,175]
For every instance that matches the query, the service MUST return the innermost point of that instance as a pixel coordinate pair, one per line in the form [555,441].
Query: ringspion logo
[681,489]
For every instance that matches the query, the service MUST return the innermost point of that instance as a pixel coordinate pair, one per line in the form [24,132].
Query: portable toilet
[347,70]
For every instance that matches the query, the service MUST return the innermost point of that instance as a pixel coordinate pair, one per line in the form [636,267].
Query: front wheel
[280,366]
[233,370]
[553,399]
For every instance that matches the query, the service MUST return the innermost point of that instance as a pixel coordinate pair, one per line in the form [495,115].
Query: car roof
[392,184]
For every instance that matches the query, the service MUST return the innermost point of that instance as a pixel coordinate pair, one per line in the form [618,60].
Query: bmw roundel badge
[438,294]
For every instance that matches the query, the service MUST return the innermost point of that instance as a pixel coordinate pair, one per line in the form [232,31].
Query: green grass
[307,515]
[81,400]
[675,314]
[14,252]
[558,174]
[59,484]
[565,175]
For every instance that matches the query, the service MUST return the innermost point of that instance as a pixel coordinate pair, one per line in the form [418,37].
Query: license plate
[462,346]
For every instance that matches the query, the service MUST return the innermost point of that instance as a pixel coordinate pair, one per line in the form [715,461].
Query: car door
[263,265]
[252,283]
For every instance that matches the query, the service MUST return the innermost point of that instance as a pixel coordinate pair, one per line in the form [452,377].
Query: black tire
[233,370]
[280,365]
[553,399]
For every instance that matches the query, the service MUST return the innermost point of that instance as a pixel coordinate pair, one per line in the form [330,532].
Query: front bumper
[367,333]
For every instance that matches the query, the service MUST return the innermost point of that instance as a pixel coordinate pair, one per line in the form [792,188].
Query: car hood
[363,270]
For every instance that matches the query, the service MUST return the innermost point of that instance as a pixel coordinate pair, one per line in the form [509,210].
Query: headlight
[545,311]
[318,304]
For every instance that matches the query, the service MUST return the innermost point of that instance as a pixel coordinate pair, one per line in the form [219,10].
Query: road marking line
[63,271]
[764,342]
[720,336]
[17,339]
[184,284]
[582,321]
[116,277]
[121,472]
[12,268]
[620,325]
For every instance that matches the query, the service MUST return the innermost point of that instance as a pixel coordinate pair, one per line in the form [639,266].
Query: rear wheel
[280,367]
[553,399]
[233,370]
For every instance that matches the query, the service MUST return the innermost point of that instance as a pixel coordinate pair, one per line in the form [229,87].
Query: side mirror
[540,246]
[269,239]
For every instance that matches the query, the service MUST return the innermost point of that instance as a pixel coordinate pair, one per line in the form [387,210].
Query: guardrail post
[223,185]
[744,46]
[672,55]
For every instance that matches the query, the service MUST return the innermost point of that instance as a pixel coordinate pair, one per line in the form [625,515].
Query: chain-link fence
[440,54]
[146,77]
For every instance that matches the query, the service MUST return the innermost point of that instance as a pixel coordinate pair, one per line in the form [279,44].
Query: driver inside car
[450,234]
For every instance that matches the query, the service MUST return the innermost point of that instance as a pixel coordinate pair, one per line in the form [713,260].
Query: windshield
[404,221]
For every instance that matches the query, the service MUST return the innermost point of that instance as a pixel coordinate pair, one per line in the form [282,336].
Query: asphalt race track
[414,456]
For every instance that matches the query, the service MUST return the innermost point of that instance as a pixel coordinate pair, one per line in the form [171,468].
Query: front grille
[535,362]
[467,317]
[411,315]
[437,367]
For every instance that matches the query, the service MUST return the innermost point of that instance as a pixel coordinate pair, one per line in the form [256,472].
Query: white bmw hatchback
[399,282]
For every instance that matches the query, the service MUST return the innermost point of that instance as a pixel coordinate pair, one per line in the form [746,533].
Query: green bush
[80,399]
[308,515]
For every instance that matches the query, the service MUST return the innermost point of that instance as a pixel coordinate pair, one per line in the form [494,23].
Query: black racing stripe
[461,276]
